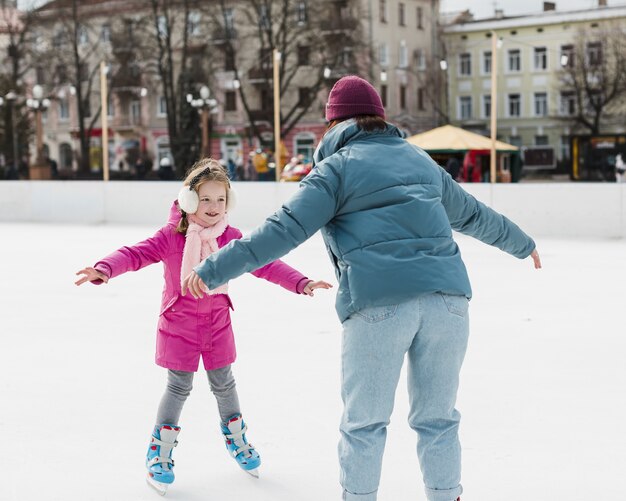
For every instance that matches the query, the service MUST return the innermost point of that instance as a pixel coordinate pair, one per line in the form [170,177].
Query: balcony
[259,75]
[340,25]
[222,35]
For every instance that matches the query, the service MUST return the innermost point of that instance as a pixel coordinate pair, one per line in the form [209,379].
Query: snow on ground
[542,392]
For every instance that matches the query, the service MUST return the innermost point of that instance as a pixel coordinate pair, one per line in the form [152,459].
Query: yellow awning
[449,138]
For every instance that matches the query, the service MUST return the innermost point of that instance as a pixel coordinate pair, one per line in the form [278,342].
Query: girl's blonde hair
[204,170]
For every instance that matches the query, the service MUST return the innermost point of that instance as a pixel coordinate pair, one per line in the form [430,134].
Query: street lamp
[10,98]
[206,106]
[38,104]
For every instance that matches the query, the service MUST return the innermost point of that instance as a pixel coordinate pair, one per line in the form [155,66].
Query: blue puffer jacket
[386,211]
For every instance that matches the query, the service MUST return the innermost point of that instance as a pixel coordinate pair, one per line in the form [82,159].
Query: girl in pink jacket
[189,328]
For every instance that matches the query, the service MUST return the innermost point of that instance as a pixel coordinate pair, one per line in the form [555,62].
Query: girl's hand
[90,274]
[536,259]
[311,286]
[194,284]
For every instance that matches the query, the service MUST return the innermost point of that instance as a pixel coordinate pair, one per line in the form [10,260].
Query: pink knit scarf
[200,242]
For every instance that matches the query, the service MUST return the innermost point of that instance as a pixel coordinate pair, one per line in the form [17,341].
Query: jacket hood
[175,214]
[345,132]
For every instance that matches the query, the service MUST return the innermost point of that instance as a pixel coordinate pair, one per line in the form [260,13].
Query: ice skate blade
[254,472]
[159,487]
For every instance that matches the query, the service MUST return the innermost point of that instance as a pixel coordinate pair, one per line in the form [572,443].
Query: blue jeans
[432,331]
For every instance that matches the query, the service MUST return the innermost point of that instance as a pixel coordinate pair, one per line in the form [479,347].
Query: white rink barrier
[541,209]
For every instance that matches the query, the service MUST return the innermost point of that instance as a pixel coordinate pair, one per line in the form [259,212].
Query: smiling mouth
[211,214]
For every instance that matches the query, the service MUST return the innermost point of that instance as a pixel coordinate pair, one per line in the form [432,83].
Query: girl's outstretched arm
[90,274]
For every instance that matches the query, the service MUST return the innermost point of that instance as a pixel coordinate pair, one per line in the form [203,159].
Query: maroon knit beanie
[352,96]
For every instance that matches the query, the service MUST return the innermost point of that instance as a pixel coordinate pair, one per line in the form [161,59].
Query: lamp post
[38,104]
[104,117]
[10,98]
[206,106]
[495,45]
[277,149]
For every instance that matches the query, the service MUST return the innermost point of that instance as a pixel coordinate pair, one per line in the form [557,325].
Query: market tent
[450,139]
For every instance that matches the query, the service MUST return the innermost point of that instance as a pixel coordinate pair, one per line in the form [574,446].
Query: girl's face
[212,206]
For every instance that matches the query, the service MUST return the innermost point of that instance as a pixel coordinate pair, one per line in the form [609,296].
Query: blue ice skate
[159,460]
[244,453]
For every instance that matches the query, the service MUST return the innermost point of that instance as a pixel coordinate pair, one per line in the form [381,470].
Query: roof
[449,138]
[540,18]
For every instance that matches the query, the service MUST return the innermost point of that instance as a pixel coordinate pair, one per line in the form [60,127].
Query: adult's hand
[194,284]
[90,274]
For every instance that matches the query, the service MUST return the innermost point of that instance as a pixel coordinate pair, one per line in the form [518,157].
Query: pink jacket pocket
[168,303]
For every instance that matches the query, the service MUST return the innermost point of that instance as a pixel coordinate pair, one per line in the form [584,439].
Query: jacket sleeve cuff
[302,283]
[103,268]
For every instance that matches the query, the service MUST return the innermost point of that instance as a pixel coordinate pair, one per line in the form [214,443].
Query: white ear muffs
[188,200]
[232,200]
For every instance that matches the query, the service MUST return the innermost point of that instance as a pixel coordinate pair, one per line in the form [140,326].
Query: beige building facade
[397,51]
[534,107]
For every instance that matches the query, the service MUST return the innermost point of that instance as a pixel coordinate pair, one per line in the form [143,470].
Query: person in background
[386,211]
[620,169]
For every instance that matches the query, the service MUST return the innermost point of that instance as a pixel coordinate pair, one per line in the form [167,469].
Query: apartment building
[392,43]
[535,109]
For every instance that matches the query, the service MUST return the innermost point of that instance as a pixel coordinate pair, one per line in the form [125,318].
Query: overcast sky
[485,8]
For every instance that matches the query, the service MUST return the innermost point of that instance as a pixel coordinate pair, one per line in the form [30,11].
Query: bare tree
[318,43]
[179,60]
[593,77]
[73,57]
[17,27]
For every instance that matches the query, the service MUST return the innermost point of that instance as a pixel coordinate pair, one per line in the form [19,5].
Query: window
[465,107]
[515,105]
[194,22]
[383,55]
[264,20]
[229,61]
[487,63]
[403,59]
[303,55]
[541,58]
[301,13]
[383,94]
[305,146]
[87,108]
[420,57]
[83,35]
[565,151]
[541,104]
[135,112]
[105,33]
[542,141]
[64,109]
[304,97]
[61,73]
[382,10]
[401,14]
[420,18]
[59,39]
[65,156]
[594,53]
[83,72]
[162,108]
[516,141]
[163,150]
[568,103]
[515,60]
[229,20]
[230,100]
[110,107]
[465,64]
[567,56]
[403,97]
[420,99]
[162,26]
[486,105]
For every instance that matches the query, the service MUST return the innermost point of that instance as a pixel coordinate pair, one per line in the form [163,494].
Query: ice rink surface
[542,390]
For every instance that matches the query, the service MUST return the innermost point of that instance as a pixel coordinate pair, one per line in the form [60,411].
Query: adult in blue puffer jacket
[386,212]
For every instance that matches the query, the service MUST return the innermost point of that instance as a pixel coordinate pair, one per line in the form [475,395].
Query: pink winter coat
[189,328]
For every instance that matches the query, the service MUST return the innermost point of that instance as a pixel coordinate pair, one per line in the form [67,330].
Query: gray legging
[179,385]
